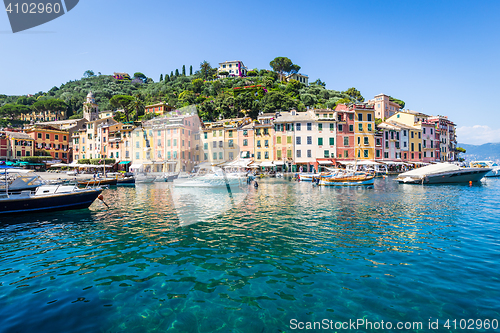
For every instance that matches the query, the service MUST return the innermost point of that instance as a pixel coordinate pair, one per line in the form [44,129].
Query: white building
[326,132]
[234,68]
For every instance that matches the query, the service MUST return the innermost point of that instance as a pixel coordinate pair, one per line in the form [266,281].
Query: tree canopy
[354,94]
[88,73]
[124,102]
[282,65]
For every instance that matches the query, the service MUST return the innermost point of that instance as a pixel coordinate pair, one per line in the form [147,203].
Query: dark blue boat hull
[63,201]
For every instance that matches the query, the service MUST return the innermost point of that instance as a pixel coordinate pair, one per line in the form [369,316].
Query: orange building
[158,108]
[14,145]
[52,140]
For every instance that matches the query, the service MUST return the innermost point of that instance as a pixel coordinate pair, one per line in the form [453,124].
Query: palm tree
[138,106]
[205,68]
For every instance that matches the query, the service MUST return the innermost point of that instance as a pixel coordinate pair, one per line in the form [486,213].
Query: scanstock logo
[27,15]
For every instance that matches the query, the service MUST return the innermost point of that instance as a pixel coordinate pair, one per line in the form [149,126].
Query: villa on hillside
[234,68]
[302,78]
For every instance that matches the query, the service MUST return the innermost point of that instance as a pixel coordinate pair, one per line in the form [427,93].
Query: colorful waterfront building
[428,142]
[395,141]
[384,107]
[447,137]
[345,133]
[264,140]
[364,131]
[326,126]
[165,144]
[120,145]
[52,140]
[424,145]
[79,138]
[14,145]
[246,141]
[296,138]
[220,140]
[212,141]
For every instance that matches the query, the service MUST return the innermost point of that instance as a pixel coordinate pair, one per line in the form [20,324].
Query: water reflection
[285,250]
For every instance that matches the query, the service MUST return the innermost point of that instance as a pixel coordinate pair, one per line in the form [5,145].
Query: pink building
[384,108]
[246,138]
[428,142]
[345,132]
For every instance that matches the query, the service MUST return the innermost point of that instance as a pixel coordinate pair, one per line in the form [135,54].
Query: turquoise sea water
[285,251]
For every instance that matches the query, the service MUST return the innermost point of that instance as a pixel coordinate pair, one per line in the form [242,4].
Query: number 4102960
[471,324]
[33,8]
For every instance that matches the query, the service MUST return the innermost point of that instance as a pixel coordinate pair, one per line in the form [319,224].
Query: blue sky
[440,57]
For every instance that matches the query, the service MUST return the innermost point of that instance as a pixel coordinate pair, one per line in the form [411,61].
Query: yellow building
[264,139]
[420,142]
[219,140]
[364,131]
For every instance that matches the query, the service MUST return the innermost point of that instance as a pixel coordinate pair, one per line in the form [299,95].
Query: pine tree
[176,72]
[183,70]
[161,77]
[190,70]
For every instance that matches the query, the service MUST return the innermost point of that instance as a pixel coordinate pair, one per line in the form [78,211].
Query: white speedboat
[214,177]
[442,173]
[144,178]
[308,177]
[495,168]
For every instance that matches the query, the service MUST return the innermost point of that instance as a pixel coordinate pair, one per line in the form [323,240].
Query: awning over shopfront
[394,162]
[254,165]
[125,162]
[278,163]
[135,166]
[325,162]
[267,164]
[362,162]
[89,166]
[243,163]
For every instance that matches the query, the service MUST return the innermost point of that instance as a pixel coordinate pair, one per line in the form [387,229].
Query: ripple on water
[283,251]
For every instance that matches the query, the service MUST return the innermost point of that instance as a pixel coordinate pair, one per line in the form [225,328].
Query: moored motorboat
[308,177]
[144,179]
[98,182]
[495,168]
[48,198]
[347,179]
[442,173]
[125,180]
[213,177]
[17,180]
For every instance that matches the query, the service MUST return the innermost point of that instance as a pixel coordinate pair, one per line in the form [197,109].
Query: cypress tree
[171,74]
[191,70]
[161,77]
[176,72]
[183,70]
[167,78]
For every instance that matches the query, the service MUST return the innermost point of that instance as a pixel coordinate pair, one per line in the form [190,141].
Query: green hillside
[214,97]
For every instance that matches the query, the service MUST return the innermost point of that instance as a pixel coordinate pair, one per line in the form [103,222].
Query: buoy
[470,182]
[100,197]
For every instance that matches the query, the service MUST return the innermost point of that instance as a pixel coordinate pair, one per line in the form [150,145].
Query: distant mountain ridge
[487,151]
